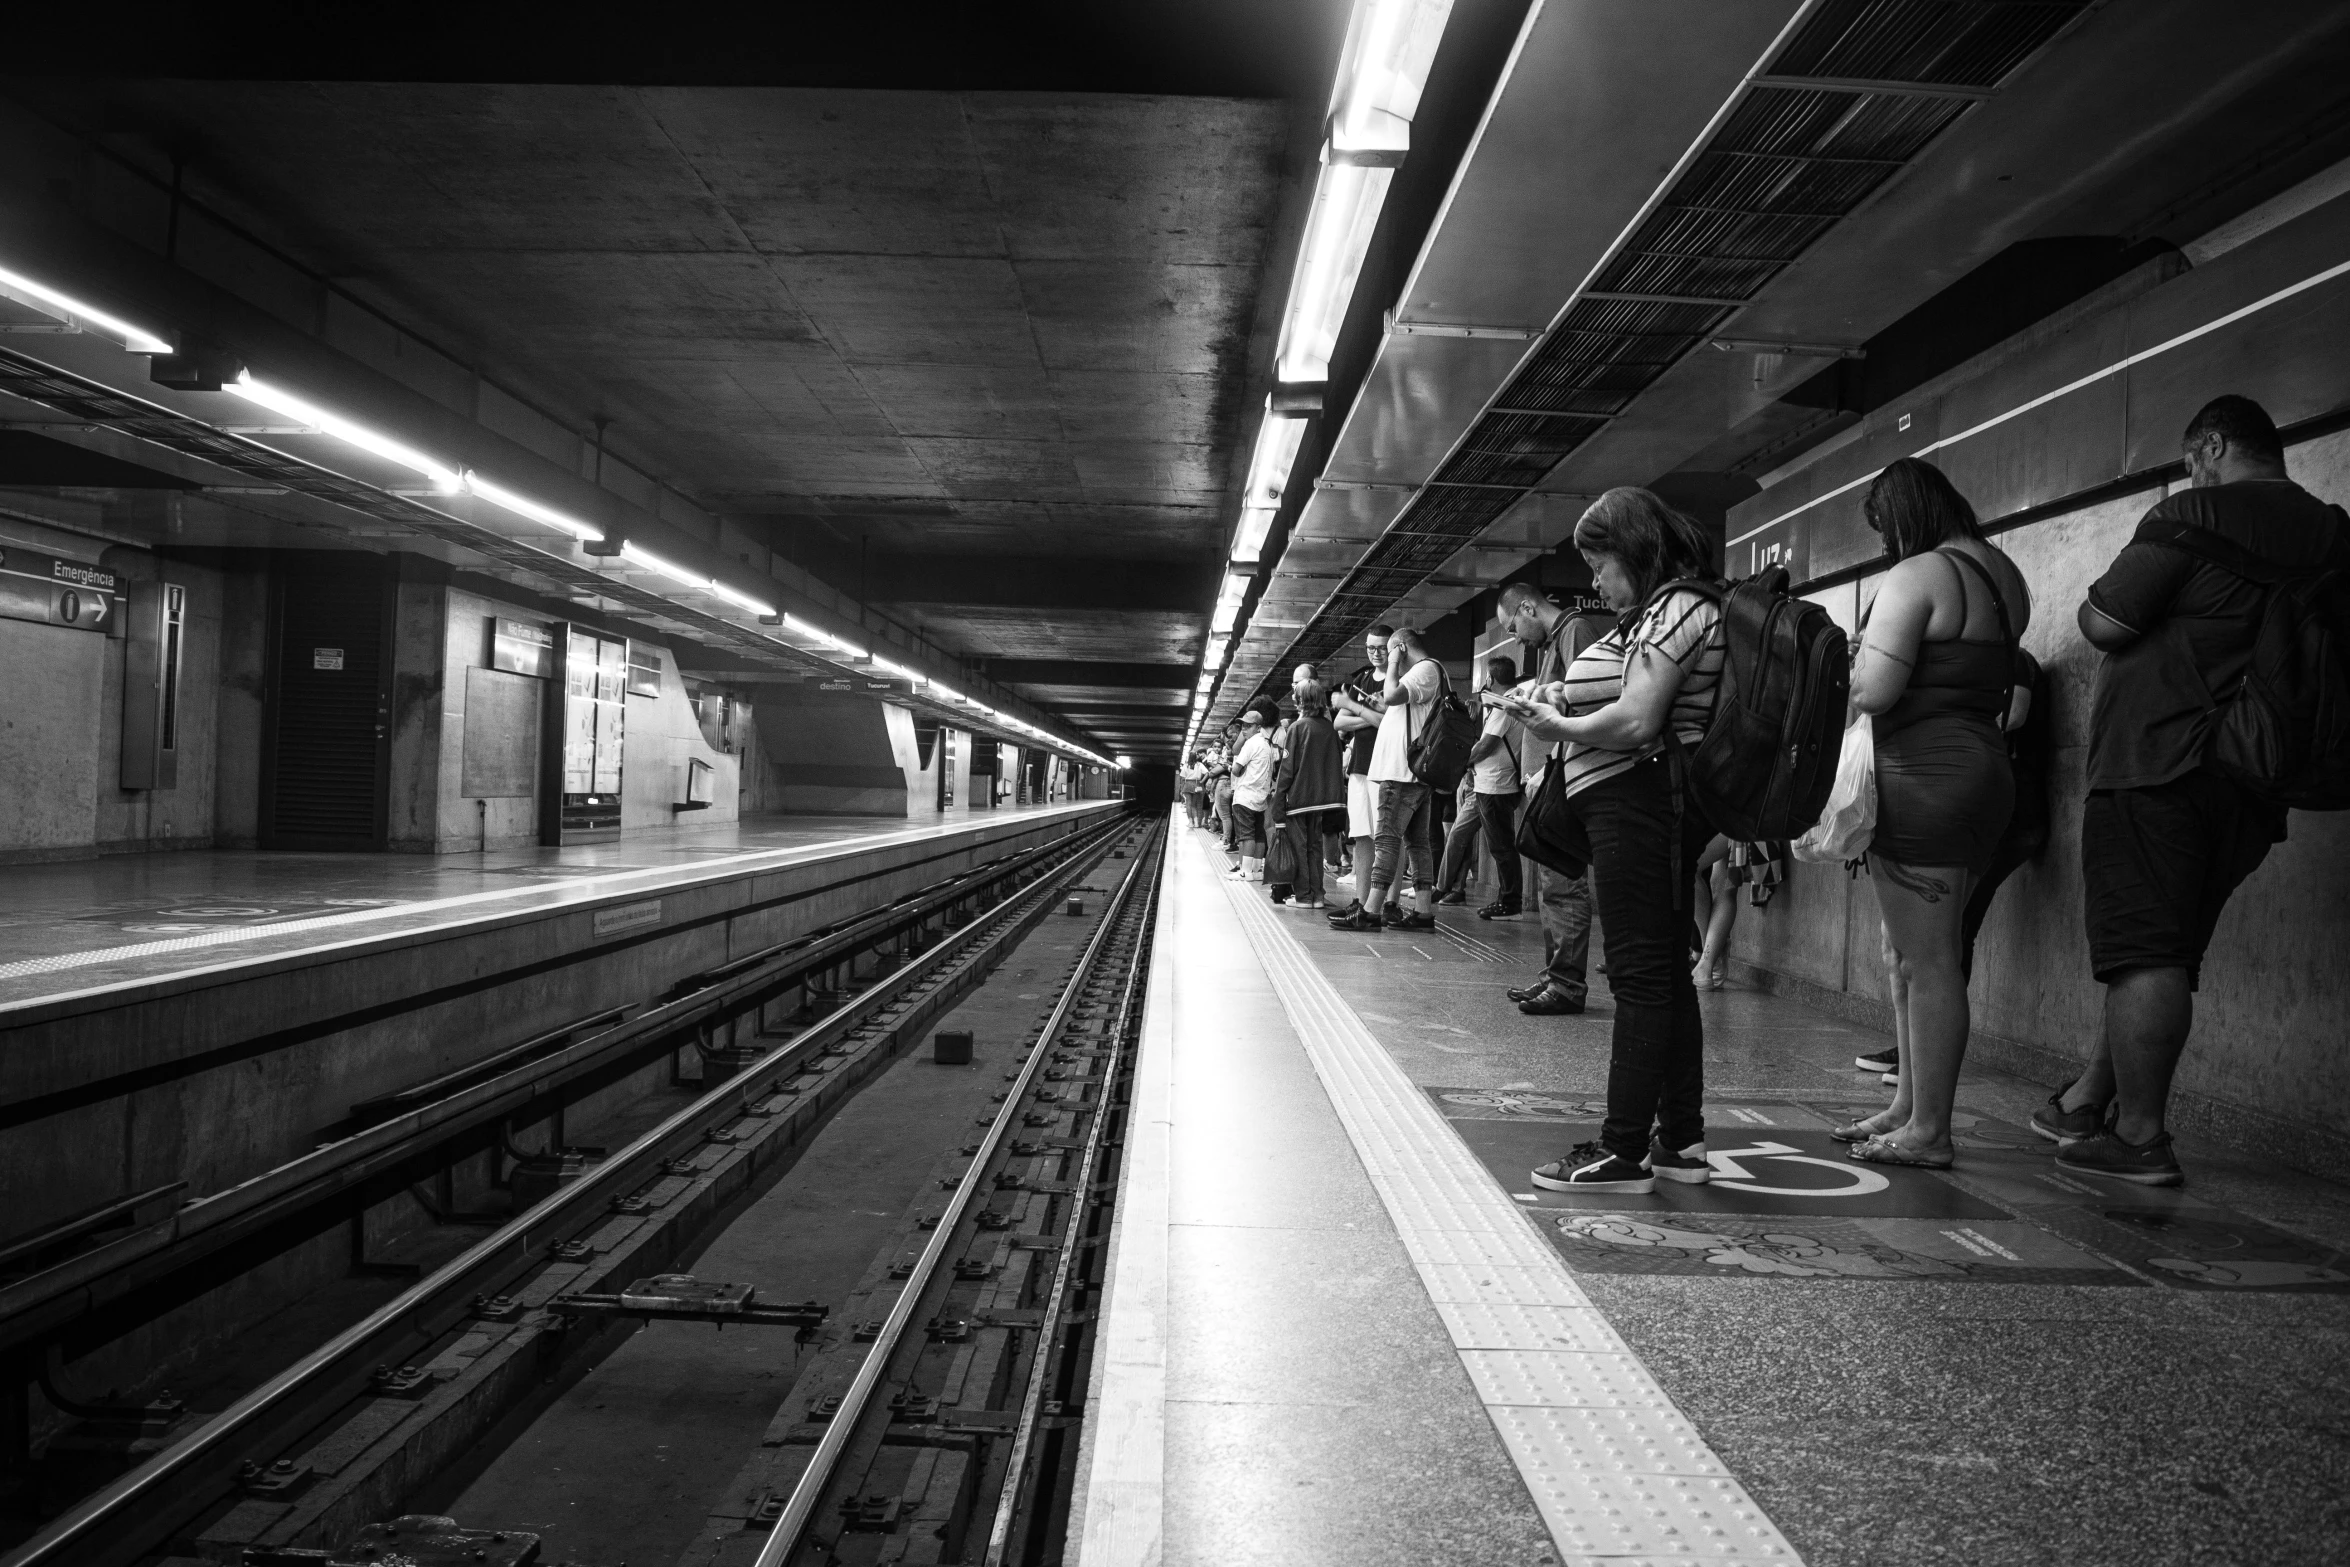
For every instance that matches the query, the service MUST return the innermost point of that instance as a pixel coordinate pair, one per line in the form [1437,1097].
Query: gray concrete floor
[1892,1421]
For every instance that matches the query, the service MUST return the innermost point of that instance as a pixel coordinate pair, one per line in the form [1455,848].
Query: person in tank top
[1935,667]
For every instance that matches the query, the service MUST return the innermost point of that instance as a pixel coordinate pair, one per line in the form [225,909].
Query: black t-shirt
[1364,685]
[2153,700]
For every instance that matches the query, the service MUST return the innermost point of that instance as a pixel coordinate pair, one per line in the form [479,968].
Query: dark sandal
[1883,1150]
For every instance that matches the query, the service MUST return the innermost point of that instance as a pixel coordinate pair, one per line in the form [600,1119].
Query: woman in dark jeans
[1659,667]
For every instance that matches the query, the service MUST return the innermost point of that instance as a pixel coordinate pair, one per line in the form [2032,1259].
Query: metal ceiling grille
[1855,96]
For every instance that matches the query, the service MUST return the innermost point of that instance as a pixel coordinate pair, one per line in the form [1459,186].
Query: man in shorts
[2164,839]
[1356,708]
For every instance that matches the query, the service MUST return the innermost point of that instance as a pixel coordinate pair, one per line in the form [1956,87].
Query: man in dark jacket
[1312,786]
[2164,839]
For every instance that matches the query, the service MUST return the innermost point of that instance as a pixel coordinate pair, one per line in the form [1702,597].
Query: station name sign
[57,592]
[522,647]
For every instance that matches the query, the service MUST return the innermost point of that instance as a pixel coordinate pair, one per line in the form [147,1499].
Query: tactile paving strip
[1619,1475]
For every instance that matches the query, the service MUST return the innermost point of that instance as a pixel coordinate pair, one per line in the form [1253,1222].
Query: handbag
[1549,832]
[1280,858]
[1849,823]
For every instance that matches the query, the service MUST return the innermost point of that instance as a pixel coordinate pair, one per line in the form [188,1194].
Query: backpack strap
[1998,599]
[2214,550]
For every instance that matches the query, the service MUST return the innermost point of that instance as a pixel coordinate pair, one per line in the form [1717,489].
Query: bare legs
[1896,1114]
[1923,907]
[1717,911]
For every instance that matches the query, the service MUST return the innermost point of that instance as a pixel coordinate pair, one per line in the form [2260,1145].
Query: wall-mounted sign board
[522,647]
[644,669]
[57,592]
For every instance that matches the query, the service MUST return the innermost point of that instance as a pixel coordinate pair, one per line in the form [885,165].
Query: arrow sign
[1860,1180]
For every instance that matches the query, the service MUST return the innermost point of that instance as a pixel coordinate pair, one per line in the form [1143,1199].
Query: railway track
[322,1455]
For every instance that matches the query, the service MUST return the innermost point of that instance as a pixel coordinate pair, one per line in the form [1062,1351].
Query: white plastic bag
[1850,820]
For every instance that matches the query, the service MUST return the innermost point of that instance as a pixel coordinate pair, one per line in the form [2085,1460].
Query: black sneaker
[1885,1060]
[1529,992]
[1357,918]
[1550,1002]
[1401,918]
[1502,910]
[1347,913]
[2059,1125]
[1454,899]
[2147,1164]
[1591,1168]
[1689,1166]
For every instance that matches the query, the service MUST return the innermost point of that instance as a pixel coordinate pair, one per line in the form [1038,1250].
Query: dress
[1945,785]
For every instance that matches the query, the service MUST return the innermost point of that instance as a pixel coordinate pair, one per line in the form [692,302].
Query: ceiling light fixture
[278,400]
[524,506]
[76,315]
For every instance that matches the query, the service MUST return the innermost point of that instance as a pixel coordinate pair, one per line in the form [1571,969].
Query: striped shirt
[1685,627]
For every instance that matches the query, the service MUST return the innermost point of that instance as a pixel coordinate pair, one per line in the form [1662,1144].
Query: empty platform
[1342,1326]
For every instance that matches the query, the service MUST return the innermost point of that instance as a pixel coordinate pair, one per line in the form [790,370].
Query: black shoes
[1885,1060]
[2059,1125]
[1454,899]
[1689,1165]
[1503,910]
[1357,918]
[1591,1168]
[1529,992]
[1551,1002]
[1400,918]
[2141,1164]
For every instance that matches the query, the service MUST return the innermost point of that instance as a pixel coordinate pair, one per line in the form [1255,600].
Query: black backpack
[1768,758]
[1440,752]
[2284,732]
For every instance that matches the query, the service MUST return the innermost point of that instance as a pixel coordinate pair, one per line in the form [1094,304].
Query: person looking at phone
[1612,710]
[1356,708]
[1555,636]
[1406,814]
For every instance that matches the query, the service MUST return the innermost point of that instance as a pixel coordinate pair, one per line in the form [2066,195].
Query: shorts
[2159,865]
[1362,806]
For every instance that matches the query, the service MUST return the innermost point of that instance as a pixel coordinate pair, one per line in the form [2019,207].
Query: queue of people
[1957,721]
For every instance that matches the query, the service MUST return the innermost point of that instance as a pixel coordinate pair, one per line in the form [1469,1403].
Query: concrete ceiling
[897,326]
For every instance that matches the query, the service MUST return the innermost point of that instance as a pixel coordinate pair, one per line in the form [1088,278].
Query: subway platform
[192,1020]
[1342,1326]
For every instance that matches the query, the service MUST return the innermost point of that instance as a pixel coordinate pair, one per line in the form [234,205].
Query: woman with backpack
[1624,785]
[1936,667]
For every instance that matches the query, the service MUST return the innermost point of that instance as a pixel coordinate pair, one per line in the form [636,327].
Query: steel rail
[45,1303]
[1040,1370]
[138,1512]
[800,1508]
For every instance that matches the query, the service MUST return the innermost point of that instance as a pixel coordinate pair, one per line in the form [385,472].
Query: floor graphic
[180,919]
[1785,1202]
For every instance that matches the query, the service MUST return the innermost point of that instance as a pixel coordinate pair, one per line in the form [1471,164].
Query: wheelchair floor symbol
[1730,1170]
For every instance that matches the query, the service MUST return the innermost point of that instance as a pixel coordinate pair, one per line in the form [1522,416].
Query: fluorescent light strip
[278,400]
[524,506]
[40,296]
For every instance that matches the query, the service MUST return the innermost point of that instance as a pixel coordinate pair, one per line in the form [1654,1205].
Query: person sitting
[1660,669]
[1936,668]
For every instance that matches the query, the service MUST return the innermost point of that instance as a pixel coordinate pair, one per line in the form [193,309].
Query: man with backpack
[2170,829]
[1412,684]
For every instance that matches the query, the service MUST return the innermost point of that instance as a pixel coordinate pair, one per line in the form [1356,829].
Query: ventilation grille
[1788,164]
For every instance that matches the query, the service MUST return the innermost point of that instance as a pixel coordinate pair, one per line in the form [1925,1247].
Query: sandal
[1883,1150]
[1859,1131]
